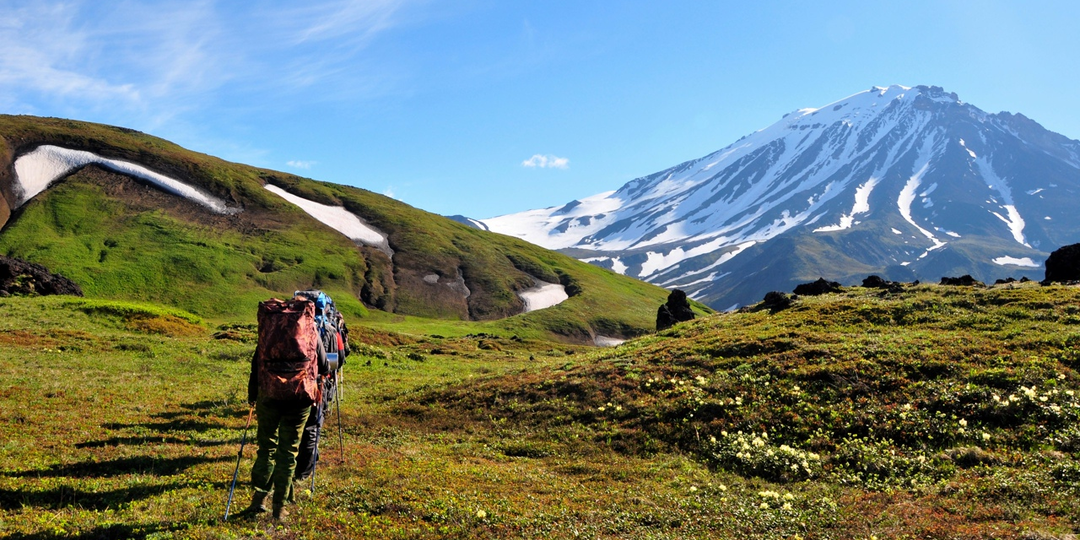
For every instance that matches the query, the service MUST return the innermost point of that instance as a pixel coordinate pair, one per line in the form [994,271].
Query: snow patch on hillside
[907,196]
[862,206]
[543,295]
[1012,218]
[339,219]
[1025,261]
[35,171]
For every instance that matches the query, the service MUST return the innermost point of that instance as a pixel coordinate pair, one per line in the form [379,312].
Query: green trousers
[280,427]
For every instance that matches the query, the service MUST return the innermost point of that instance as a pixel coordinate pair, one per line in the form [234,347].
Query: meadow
[935,412]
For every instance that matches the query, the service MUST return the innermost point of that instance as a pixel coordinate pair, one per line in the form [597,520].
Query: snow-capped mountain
[909,183]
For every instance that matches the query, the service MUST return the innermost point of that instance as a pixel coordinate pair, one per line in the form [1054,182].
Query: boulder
[676,310]
[877,282]
[821,286]
[962,281]
[21,278]
[775,301]
[1063,265]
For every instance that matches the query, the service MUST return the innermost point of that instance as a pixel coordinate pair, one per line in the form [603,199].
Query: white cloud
[546,162]
[298,164]
[389,192]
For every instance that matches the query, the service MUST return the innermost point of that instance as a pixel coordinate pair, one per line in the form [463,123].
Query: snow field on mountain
[1012,217]
[540,227]
[663,209]
[862,206]
[339,219]
[37,170]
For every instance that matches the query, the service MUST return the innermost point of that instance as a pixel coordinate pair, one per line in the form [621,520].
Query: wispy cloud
[548,161]
[298,164]
[389,192]
[152,61]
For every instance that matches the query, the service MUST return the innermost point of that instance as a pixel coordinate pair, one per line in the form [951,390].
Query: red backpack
[287,359]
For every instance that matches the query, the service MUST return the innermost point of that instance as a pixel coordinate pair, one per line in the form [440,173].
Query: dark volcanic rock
[1063,264]
[21,278]
[821,286]
[877,282]
[962,281]
[775,301]
[677,309]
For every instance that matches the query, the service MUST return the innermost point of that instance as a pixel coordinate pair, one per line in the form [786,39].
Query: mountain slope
[135,217]
[908,182]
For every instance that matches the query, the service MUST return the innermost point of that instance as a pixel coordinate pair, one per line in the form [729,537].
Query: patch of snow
[618,267]
[862,206]
[656,261]
[952,234]
[896,231]
[711,277]
[723,259]
[1026,261]
[36,170]
[552,229]
[339,219]
[1035,191]
[907,194]
[605,341]
[1047,218]
[543,295]
[1012,218]
[972,154]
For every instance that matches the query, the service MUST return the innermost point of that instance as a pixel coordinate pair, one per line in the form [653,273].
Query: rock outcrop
[21,278]
[1063,265]
[962,281]
[676,310]
[821,286]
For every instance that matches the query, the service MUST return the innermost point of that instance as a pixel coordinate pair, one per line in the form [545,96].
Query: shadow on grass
[69,497]
[158,466]
[199,417]
[180,424]
[132,532]
[137,441]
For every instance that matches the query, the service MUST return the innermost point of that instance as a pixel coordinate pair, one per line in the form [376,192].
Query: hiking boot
[258,503]
[280,513]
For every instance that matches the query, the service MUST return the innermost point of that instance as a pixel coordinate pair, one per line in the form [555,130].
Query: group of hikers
[294,379]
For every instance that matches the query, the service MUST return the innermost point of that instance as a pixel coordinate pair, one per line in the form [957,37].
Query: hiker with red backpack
[335,340]
[284,384]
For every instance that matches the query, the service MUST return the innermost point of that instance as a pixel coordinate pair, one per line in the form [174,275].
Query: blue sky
[483,108]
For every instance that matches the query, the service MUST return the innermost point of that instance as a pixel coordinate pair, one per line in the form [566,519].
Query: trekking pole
[239,455]
[315,458]
[337,399]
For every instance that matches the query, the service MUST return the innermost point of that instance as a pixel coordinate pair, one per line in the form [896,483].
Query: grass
[114,427]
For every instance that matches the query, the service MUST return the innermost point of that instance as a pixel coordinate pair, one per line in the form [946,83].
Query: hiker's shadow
[195,419]
[142,465]
[67,496]
[128,531]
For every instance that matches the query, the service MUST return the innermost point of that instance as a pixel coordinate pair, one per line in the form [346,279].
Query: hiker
[334,336]
[281,419]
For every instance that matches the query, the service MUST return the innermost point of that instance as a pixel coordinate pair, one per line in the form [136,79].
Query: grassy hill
[936,412]
[124,240]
